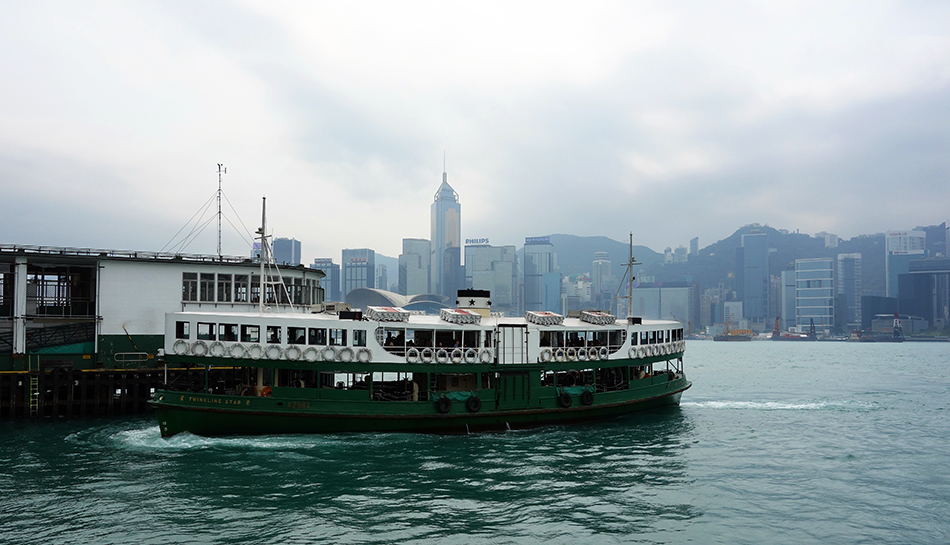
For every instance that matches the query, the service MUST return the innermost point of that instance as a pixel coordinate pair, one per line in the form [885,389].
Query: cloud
[671,121]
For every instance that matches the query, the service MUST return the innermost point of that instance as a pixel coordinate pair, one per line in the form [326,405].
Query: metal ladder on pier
[34,390]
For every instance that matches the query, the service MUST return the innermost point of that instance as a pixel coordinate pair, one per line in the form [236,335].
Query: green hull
[220,415]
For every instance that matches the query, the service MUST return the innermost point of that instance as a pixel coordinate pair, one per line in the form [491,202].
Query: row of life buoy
[444,355]
[651,350]
[573,354]
[272,352]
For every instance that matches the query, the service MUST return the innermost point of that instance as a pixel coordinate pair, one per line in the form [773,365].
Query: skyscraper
[287,251]
[900,248]
[493,268]
[542,286]
[446,240]
[331,282]
[815,293]
[755,277]
[848,286]
[414,265]
[359,270]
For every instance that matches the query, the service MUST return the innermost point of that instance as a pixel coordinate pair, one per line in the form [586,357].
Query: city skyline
[666,120]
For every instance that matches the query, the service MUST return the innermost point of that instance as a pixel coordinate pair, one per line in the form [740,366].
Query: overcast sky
[668,119]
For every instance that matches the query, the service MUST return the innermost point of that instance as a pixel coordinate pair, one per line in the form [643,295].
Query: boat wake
[779,406]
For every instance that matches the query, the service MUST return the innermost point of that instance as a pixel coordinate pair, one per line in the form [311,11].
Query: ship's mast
[262,232]
[630,282]
[221,170]
[627,275]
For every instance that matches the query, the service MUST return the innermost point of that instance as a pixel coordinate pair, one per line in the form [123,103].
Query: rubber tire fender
[443,405]
[564,399]
[473,404]
[587,398]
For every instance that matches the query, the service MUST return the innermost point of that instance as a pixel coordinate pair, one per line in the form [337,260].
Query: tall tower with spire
[446,239]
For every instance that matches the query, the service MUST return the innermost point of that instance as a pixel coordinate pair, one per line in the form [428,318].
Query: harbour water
[825,442]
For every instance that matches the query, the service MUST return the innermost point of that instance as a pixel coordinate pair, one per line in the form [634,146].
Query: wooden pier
[61,392]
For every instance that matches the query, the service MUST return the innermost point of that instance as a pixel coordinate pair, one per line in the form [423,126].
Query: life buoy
[471,355]
[441,355]
[427,354]
[274,352]
[265,391]
[473,404]
[443,405]
[364,355]
[457,355]
[311,354]
[255,351]
[345,355]
[587,398]
[603,353]
[292,353]
[200,348]
[412,355]
[582,354]
[633,353]
[486,355]
[545,356]
[329,354]
[181,347]
[217,349]
[238,350]
[571,354]
[564,399]
[559,355]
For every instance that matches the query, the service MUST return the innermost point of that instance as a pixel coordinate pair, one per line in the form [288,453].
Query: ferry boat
[388,370]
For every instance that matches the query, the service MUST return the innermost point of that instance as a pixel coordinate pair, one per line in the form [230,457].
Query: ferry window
[668,333]
[337,337]
[189,286]
[296,335]
[599,338]
[224,287]
[545,339]
[207,287]
[273,334]
[205,331]
[182,330]
[421,337]
[318,336]
[255,288]
[653,337]
[359,337]
[575,338]
[240,288]
[227,332]
[488,341]
[644,337]
[250,334]
[470,339]
[445,339]
[615,338]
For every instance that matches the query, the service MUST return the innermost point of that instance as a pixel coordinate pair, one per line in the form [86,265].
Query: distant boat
[733,334]
[897,336]
[778,335]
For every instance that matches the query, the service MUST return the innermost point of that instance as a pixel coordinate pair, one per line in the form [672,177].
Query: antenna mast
[627,275]
[221,170]
[263,259]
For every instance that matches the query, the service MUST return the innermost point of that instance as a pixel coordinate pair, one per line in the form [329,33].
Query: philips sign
[473,241]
